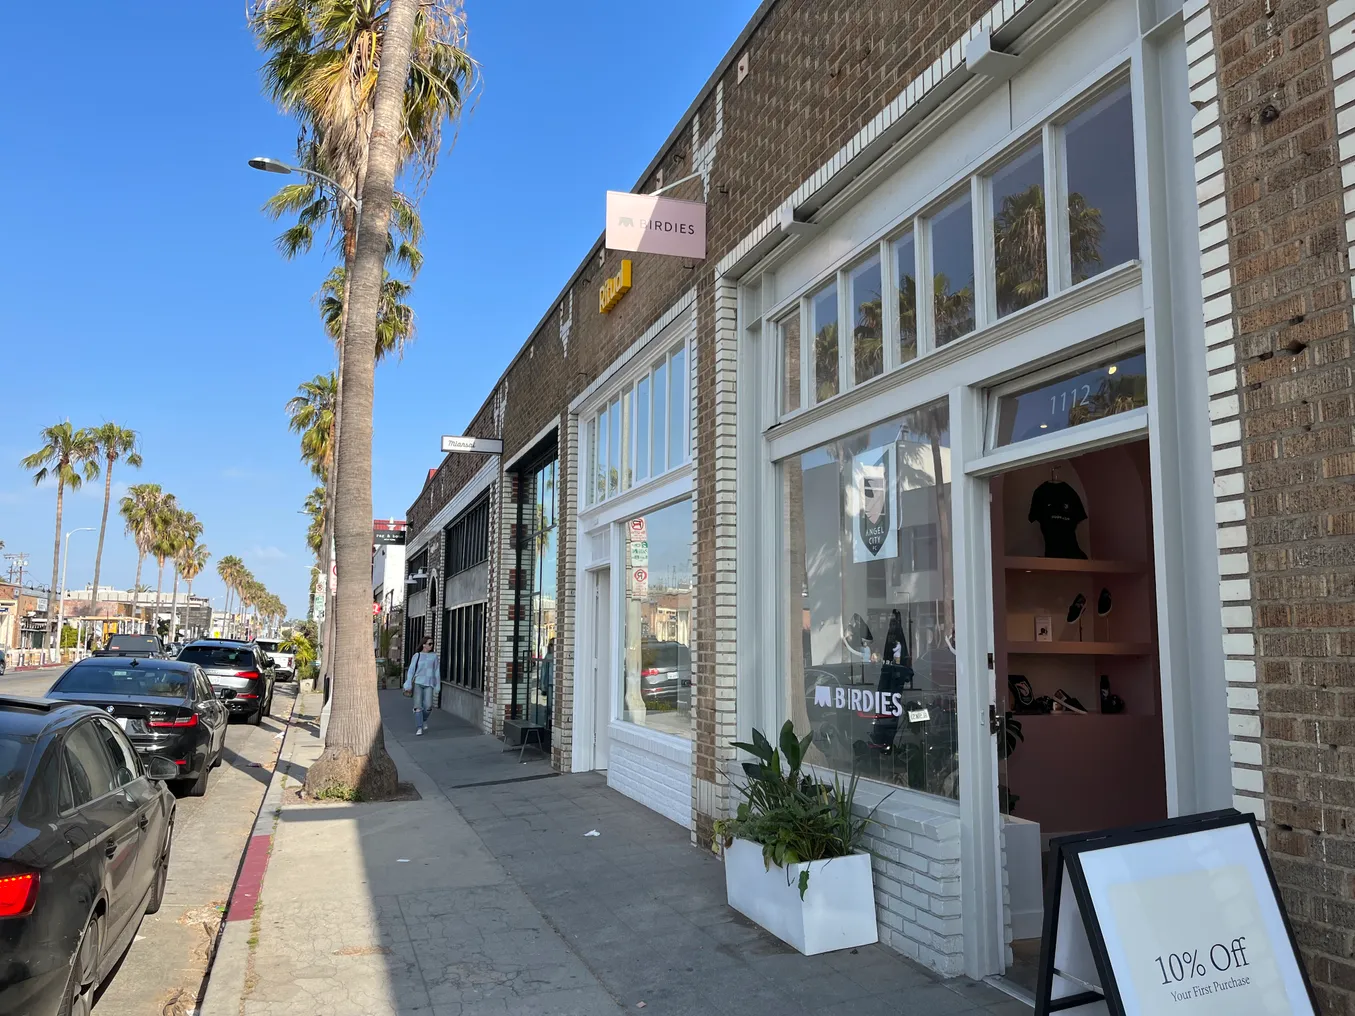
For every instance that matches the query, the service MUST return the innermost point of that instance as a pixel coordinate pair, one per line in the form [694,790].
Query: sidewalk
[483,896]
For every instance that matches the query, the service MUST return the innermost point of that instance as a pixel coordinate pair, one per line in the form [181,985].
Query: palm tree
[310,413]
[395,318]
[192,560]
[186,530]
[139,508]
[114,443]
[314,506]
[231,569]
[164,541]
[69,455]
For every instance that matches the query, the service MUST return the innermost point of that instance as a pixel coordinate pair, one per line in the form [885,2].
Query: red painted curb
[249,883]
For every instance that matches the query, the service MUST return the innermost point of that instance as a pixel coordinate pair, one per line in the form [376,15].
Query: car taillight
[246,695]
[246,673]
[650,672]
[191,720]
[18,894]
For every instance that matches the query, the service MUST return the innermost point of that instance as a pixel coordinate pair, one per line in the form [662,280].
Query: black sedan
[167,708]
[85,833]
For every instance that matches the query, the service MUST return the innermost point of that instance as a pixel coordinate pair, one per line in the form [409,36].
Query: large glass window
[677,407]
[869,602]
[953,271]
[1103,218]
[1022,274]
[905,268]
[823,325]
[534,687]
[1095,393]
[641,429]
[868,350]
[788,329]
[657,686]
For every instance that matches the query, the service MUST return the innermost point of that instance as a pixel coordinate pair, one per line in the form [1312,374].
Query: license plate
[918,715]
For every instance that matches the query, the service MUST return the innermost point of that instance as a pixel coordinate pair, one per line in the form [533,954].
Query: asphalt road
[162,971]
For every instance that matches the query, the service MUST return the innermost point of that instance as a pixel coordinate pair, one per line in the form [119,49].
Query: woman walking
[420,681]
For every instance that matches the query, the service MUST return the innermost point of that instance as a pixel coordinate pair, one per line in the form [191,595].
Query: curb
[228,964]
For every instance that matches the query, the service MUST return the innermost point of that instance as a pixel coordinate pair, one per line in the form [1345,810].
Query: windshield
[268,646]
[14,752]
[220,657]
[135,681]
[134,643]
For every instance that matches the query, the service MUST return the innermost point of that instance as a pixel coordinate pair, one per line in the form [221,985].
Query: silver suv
[241,673]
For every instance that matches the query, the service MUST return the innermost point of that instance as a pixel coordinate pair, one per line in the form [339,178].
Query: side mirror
[160,768]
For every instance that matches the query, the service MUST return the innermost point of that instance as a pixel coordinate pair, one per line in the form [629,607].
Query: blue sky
[140,283]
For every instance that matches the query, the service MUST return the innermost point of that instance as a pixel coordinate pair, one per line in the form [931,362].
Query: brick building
[1016,378]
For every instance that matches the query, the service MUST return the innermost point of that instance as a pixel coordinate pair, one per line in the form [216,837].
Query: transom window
[1058,208]
[642,432]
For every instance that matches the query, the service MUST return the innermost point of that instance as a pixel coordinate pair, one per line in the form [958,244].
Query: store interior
[1076,664]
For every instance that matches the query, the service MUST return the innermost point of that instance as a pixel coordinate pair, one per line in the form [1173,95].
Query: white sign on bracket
[484,445]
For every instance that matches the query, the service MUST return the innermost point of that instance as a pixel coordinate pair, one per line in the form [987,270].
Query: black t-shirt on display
[1058,510]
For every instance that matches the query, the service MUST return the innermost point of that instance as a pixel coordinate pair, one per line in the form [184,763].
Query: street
[162,972]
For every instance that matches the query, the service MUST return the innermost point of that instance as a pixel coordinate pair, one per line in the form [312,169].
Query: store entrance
[1080,743]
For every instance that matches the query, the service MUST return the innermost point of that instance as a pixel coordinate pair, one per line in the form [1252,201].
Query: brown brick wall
[1293,316]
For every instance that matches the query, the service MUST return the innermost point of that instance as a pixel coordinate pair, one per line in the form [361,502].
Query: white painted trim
[479,483]
[530,446]
[1085,437]
[671,486]
[593,396]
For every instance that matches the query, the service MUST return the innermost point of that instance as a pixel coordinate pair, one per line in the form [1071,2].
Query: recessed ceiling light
[1112,369]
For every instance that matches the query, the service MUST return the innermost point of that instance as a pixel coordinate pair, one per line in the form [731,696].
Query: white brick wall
[1230,506]
[654,769]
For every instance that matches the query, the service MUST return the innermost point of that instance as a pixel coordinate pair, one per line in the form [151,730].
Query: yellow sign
[614,288]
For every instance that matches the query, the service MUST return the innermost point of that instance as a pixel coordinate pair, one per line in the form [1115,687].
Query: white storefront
[975,485]
[633,698]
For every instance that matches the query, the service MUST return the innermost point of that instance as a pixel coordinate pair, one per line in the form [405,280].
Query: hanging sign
[873,504]
[639,578]
[1178,916]
[654,224]
[460,443]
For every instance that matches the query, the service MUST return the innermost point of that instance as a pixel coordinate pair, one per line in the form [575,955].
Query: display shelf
[1081,648]
[1092,566]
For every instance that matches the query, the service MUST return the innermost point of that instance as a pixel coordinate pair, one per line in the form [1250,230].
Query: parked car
[85,836]
[665,673]
[240,673]
[166,708]
[283,662]
[144,646]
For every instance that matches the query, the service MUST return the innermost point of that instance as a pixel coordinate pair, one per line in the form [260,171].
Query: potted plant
[793,857]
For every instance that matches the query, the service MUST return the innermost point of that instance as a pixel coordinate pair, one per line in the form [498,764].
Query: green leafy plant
[794,817]
[1008,734]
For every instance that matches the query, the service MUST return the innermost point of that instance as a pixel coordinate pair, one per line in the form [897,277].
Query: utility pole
[17,561]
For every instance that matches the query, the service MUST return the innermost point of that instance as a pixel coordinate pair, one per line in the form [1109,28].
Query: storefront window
[823,314]
[1019,232]
[905,265]
[870,602]
[641,429]
[953,271]
[1080,397]
[657,691]
[868,351]
[1103,218]
[534,691]
[677,408]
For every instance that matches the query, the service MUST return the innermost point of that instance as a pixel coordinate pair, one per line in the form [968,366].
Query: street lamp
[61,609]
[267,165]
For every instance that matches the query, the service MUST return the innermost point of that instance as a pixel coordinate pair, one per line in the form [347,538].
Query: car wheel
[268,706]
[161,875]
[256,717]
[198,787]
[78,998]
[220,753]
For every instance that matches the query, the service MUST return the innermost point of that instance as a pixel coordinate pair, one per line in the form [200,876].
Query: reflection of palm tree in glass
[1116,395]
[907,319]
[825,362]
[868,345]
[1019,245]
[954,311]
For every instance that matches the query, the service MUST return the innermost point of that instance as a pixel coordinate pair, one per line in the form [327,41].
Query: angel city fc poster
[874,505]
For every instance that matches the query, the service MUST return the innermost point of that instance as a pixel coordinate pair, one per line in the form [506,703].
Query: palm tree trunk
[355,756]
[103,528]
[188,607]
[159,585]
[174,605]
[136,586]
[52,597]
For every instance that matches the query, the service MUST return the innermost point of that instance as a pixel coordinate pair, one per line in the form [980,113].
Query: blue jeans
[423,703]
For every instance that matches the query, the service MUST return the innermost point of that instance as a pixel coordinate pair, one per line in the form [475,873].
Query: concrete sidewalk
[484,896]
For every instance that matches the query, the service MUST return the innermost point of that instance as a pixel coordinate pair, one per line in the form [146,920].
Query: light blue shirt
[423,671]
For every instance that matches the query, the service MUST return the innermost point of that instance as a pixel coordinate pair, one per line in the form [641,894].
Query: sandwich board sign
[1180,916]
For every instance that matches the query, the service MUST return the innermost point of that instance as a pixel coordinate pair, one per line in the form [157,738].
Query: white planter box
[1025,885]
[838,911]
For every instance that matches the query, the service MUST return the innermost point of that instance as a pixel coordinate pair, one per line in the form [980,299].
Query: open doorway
[1080,742]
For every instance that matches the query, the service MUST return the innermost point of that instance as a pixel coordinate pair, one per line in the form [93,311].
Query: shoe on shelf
[1021,692]
[1103,603]
[1075,611]
[1069,703]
